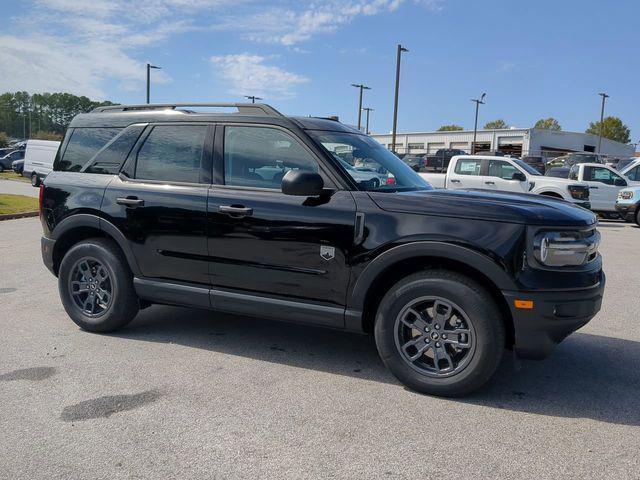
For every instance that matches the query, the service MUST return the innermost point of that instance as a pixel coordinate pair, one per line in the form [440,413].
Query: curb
[13,216]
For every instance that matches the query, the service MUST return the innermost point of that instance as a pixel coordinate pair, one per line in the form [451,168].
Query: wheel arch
[404,260]
[76,228]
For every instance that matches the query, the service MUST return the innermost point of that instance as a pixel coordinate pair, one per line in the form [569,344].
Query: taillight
[40,196]
[391,180]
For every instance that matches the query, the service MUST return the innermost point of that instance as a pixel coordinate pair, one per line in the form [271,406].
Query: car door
[467,173]
[499,176]
[267,243]
[603,190]
[159,201]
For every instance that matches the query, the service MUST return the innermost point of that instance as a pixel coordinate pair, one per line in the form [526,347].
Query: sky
[533,59]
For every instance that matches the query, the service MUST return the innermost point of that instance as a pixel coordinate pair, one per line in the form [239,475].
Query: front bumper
[555,315]
[46,246]
[627,211]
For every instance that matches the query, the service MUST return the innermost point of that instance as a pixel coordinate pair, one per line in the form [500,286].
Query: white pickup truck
[506,174]
[604,184]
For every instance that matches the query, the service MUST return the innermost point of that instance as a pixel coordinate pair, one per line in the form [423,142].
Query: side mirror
[619,182]
[519,176]
[302,183]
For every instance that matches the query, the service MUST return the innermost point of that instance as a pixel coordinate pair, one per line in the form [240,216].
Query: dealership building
[512,141]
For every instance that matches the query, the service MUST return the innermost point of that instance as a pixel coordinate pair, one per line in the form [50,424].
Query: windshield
[526,167]
[370,165]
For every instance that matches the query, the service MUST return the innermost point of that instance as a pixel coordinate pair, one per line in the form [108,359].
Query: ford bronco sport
[254,213]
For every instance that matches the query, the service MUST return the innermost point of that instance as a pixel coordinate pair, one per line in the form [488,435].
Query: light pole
[604,97]
[395,100]
[253,98]
[477,101]
[361,87]
[366,128]
[149,67]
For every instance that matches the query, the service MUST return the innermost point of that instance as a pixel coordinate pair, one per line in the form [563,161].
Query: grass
[11,175]
[17,204]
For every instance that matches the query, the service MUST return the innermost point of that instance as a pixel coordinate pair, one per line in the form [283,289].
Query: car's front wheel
[96,286]
[440,332]
[638,217]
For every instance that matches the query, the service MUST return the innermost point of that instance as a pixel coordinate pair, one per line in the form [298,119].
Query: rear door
[159,201]
[499,176]
[467,173]
[603,191]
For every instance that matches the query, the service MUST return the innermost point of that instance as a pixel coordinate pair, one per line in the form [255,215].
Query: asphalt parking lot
[193,394]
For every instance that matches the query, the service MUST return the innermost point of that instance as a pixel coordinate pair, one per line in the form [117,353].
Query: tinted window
[109,160]
[468,167]
[172,153]
[84,143]
[634,174]
[259,156]
[500,169]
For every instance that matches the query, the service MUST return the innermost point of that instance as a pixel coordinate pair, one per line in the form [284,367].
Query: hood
[521,208]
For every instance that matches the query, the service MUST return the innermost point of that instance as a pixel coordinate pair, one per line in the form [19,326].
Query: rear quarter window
[83,144]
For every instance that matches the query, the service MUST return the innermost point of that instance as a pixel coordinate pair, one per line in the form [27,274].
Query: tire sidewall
[489,331]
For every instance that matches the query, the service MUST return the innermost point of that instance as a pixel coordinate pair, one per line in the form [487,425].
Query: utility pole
[395,100]
[149,67]
[604,97]
[253,98]
[361,87]
[366,128]
[478,102]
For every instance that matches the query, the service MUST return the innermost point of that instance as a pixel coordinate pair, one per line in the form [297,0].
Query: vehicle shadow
[588,376]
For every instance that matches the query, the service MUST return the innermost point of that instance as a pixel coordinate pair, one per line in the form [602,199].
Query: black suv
[252,212]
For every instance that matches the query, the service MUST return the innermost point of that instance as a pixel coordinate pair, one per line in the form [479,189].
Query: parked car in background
[604,184]
[439,161]
[18,166]
[38,159]
[507,175]
[418,163]
[623,163]
[632,170]
[9,158]
[536,162]
[558,172]
[574,158]
[628,204]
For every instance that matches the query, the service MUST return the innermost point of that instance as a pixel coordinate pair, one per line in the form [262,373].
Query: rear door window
[109,160]
[83,144]
[468,167]
[172,153]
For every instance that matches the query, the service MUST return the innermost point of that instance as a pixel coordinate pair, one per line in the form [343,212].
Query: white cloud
[247,74]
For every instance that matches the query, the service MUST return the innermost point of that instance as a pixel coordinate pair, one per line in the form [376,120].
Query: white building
[515,141]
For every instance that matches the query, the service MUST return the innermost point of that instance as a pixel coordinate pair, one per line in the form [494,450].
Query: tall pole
[395,100]
[604,97]
[253,98]
[361,87]
[366,128]
[477,101]
[149,67]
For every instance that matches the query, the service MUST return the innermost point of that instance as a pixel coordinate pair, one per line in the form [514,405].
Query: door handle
[595,188]
[489,183]
[130,201]
[453,180]
[236,210]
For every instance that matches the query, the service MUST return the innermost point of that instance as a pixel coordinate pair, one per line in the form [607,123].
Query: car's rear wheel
[35,180]
[96,286]
[638,217]
[439,332]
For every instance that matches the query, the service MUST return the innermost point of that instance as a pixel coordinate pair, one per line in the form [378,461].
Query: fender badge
[327,252]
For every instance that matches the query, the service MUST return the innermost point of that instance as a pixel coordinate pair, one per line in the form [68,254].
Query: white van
[38,159]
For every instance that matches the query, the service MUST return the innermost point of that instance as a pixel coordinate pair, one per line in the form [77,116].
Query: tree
[548,124]
[4,140]
[450,128]
[496,124]
[613,129]
[47,136]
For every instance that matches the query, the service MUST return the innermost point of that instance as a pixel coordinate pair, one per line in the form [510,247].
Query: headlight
[625,195]
[579,192]
[566,248]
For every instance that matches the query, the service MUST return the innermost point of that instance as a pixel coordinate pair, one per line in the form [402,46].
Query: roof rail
[256,109]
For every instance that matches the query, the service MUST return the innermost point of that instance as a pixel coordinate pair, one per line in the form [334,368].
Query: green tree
[548,124]
[496,124]
[4,140]
[613,129]
[450,128]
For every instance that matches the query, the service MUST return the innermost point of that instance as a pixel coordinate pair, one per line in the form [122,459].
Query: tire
[638,217]
[35,180]
[94,303]
[479,351]
[1,168]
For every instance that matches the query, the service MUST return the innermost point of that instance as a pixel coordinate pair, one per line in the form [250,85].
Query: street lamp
[478,102]
[604,97]
[149,67]
[395,101]
[361,87]
[366,128]
[253,98]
